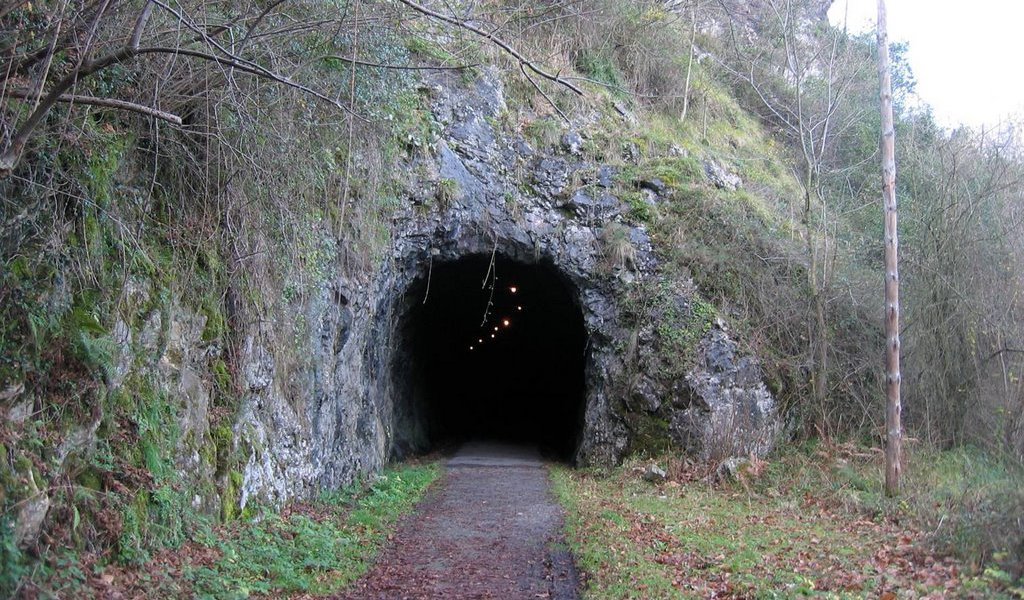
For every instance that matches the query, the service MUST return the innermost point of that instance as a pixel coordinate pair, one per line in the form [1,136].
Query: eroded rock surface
[527,204]
[324,394]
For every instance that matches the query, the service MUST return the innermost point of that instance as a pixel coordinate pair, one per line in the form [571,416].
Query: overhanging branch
[105,103]
[524,62]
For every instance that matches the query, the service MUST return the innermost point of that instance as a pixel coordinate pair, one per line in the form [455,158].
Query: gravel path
[490,529]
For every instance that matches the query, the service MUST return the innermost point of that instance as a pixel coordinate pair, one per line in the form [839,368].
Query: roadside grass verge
[811,522]
[307,549]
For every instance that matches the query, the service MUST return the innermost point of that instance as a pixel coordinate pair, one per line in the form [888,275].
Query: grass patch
[317,547]
[813,522]
[313,548]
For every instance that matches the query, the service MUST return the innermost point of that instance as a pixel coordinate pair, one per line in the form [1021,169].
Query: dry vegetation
[812,521]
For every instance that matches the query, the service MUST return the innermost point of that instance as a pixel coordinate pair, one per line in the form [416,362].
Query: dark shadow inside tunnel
[497,352]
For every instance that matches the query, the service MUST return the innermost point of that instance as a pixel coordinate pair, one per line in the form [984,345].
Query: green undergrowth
[971,503]
[312,548]
[126,236]
[810,522]
[96,435]
[315,548]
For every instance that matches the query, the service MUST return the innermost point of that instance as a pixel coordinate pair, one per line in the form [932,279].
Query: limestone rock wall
[326,401]
[503,196]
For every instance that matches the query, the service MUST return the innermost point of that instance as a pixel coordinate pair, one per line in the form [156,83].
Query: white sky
[966,56]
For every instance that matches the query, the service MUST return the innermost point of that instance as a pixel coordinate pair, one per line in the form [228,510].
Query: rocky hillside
[214,308]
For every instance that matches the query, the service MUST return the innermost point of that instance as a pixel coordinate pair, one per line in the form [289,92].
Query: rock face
[720,177]
[340,403]
[731,413]
[359,409]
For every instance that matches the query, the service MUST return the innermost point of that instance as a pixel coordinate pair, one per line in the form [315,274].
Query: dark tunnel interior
[502,360]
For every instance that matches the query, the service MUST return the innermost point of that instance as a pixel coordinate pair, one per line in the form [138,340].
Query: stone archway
[564,349]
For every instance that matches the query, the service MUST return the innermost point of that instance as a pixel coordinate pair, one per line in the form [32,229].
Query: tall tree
[893,428]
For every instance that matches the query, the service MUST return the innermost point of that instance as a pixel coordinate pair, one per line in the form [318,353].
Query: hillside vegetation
[254,145]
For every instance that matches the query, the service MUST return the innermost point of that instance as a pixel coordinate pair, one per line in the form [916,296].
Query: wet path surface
[489,529]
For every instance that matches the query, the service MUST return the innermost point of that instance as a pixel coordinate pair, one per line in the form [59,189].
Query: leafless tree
[60,47]
[802,75]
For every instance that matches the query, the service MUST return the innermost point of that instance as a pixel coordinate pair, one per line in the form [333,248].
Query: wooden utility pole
[893,428]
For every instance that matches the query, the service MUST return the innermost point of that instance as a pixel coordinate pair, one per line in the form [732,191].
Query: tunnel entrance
[497,353]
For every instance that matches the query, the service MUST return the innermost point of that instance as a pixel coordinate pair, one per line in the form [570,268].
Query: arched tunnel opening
[496,353]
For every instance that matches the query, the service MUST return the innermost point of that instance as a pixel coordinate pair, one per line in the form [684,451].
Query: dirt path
[490,529]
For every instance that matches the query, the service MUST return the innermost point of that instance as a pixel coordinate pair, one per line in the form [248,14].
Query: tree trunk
[817,329]
[689,62]
[887,143]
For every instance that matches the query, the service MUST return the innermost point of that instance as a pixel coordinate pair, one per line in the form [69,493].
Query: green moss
[640,210]
[104,160]
[229,497]
[207,452]
[151,457]
[679,326]
[650,434]
[216,324]
[222,382]
[22,464]
[90,478]
[223,442]
[134,516]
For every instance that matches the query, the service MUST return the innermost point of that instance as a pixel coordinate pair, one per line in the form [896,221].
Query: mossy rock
[223,443]
[650,435]
[216,325]
[230,496]
[90,478]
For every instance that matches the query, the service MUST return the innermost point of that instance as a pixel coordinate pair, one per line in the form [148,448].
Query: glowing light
[513,289]
[492,335]
[519,308]
[495,330]
[471,347]
[506,323]
[480,341]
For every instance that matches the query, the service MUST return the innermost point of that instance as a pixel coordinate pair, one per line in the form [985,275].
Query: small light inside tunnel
[532,387]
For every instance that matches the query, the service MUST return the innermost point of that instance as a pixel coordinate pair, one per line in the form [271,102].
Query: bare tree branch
[248,67]
[524,62]
[13,153]
[541,92]
[105,103]
[364,63]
